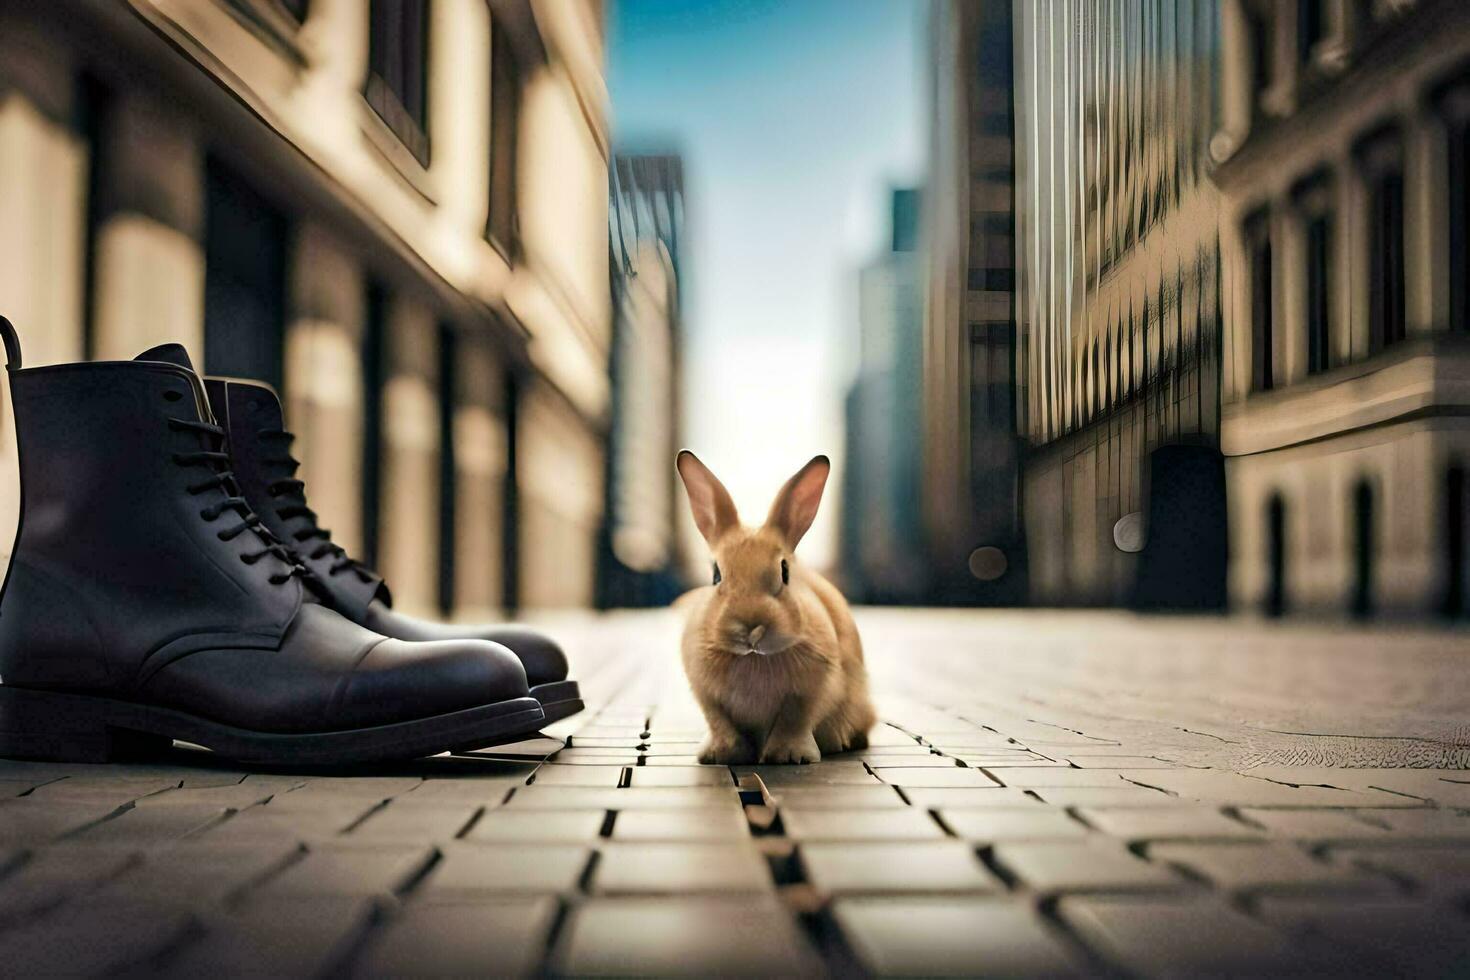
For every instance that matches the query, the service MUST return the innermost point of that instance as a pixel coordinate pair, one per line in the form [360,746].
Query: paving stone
[1447,825]
[481,791]
[502,937]
[1447,787]
[1119,762]
[687,749]
[909,823]
[293,821]
[685,936]
[954,936]
[994,824]
[681,776]
[629,798]
[1439,872]
[54,875]
[824,774]
[1219,786]
[1165,823]
[911,762]
[1324,825]
[604,741]
[91,939]
[908,749]
[1396,937]
[678,761]
[333,789]
[32,821]
[1048,776]
[686,867]
[1103,796]
[155,825]
[1017,761]
[681,825]
[920,778]
[402,820]
[1183,937]
[961,742]
[468,869]
[891,867]
[838,797]
[967,797]
[109,789]
[1275,865]
[281,937]
[350,870]
[1094,864]
[609,777]
[595,757]
[198,873]
[235,796]
[541,826]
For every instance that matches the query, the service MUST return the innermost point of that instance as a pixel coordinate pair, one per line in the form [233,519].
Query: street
[1048,793]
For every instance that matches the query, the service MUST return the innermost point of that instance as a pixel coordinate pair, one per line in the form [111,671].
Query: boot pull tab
[12,344]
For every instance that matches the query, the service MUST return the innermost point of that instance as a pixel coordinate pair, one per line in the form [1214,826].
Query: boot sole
[559,699]
[56,727]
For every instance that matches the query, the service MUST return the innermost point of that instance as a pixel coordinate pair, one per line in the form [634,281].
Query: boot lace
[223,478]
[293,492]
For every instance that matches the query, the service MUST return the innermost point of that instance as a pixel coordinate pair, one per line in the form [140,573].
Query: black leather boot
[145,601]
[251,415]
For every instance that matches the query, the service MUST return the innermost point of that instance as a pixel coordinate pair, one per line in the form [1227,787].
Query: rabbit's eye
[785,573]
[717,573]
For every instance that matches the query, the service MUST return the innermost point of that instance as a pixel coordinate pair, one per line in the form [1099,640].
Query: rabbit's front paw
[725,752]
[798,750]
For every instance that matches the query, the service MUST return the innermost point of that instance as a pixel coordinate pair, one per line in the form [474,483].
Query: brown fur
[806,691]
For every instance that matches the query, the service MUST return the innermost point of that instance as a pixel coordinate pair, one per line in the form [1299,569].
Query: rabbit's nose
[756,632]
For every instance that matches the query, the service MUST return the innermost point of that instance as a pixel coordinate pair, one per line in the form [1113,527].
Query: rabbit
[770,648]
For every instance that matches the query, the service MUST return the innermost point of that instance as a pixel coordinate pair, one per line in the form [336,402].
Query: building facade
[1117,301]
[393,210]
[1341,156]
[976,552]
[882,544]
[639,562]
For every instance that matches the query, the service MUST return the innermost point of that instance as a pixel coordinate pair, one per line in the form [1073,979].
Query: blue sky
[794,118]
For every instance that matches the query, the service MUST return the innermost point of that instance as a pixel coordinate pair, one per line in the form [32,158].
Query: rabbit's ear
[714,511]
[796,505]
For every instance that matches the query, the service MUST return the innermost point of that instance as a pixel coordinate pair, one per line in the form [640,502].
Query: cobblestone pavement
[1048,794]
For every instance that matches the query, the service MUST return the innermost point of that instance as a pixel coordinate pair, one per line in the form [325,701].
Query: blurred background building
[1342,155]
[393,210]
[1117,359]
[970,498]
[639,561]
[882,546]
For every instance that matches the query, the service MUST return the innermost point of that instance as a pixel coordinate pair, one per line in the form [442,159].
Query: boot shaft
[118,567]
[252,417]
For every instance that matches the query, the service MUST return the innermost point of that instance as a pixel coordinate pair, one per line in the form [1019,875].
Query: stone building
[1117,302]
[393,210]
[1341,156]
[970,493]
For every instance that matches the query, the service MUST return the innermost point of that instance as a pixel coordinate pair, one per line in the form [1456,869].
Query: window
[1258,248]
[397,85]
[505,100]
[1319,262]
[1311,27]
[1382,161]
[1459,202]
[1312,198]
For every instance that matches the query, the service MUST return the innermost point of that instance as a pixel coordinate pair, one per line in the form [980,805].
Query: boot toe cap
[419,679]
[543,657]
